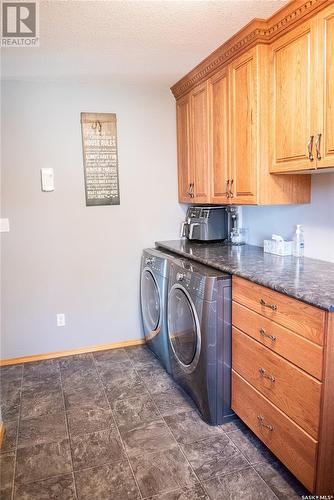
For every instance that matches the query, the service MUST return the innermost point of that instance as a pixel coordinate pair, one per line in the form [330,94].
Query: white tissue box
[278,247]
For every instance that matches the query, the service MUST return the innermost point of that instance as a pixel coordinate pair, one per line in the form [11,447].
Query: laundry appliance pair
[186,316]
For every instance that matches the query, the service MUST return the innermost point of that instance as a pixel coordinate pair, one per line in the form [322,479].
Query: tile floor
[113,426]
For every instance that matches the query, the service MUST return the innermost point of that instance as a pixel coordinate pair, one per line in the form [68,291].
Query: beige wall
[59,255]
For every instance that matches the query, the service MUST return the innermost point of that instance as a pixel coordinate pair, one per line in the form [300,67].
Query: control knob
[180,276]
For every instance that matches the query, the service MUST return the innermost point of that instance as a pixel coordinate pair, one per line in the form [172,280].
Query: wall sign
[99,144]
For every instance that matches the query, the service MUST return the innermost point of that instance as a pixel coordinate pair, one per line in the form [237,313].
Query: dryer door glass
[182,326]
[150,301]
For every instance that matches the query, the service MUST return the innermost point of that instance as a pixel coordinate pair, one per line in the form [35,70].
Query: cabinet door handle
[271,306]
[227,193]
[310,147]
[263,374]
[317,146]
[261,422]
[265,334]
[231,192]
[190,190]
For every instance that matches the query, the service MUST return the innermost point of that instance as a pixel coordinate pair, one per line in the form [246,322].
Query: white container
[276,247]
[298,242]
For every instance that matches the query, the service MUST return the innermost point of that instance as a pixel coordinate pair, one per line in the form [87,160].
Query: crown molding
[257,31]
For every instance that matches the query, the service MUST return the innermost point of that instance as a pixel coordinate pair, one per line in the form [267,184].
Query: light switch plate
[47,179]
[4,225]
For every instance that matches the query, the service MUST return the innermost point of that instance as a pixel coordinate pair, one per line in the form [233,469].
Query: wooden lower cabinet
[303,319]
[289,388]
[283,379]
[280,340]
[293,446]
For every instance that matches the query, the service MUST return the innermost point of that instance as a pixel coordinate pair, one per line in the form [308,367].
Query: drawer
[301,318]
[286,440]
[279,339]
[295,392]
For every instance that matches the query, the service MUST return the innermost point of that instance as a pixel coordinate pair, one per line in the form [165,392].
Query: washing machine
[153,300]
[199,332]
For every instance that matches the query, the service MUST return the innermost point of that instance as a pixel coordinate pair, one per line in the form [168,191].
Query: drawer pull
[271,306]
[261,422]
[265,334]
[263,374]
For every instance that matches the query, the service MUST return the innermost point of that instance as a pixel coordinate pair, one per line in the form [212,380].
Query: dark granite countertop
[309,280]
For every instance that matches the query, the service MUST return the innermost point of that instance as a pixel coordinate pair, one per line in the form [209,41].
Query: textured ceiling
[134,40]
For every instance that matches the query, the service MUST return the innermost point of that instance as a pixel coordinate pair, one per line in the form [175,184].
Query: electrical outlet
[61,319]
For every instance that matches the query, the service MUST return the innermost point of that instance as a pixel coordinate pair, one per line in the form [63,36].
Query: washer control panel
[155,264]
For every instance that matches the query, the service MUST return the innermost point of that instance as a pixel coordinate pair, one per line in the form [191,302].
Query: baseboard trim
[2,432]
[71,352]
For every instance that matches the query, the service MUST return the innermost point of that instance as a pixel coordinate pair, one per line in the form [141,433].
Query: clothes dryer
[199,332]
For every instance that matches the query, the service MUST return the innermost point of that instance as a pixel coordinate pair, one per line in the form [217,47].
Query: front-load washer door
[150,303]
[183,328]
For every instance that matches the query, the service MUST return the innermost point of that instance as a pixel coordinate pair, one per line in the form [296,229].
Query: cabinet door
[243,130]
[324,68]
[219,136]
[293,114]
[183,148]
[199,144]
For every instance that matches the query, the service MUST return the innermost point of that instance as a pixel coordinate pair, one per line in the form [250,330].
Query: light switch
[47,179]
[4,225]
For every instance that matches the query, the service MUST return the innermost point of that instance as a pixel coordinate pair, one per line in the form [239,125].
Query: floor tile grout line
[46,478]
[202,483]
[242,453]
[117,429]
[108,462]
[67,430]
[233,472]
[265,482]
[133,363]
[152,497]
[162,416]
[251,465]
[17,435]
[170,431]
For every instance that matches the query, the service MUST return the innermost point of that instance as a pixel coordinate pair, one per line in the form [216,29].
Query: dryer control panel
[192,282]
[197,279]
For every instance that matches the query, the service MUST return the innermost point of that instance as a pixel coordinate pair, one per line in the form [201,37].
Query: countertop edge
[227,269]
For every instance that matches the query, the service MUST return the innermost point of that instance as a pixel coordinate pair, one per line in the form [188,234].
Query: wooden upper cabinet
[199,157]
[259,106]
[243,128]
[219,137]
[324,69]
[302,68]
[292,86]
[183,148]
